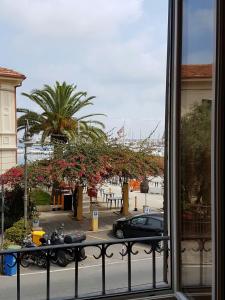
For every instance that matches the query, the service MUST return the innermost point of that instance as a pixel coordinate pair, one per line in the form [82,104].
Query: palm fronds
[59,105]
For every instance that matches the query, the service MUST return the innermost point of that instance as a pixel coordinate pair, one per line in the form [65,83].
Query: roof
[196,71]
[157,215]
[4,72]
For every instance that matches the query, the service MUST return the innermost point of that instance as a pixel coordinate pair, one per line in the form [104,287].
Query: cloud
[132,61]
[113,49]
[63,18]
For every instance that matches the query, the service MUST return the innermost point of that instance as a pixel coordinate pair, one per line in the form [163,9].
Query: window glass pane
[195,143]
[153,223]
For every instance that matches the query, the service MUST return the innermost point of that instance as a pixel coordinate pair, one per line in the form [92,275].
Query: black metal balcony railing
[196,251]
[153,244]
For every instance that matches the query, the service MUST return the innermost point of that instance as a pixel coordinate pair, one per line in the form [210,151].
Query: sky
[198,32]
[113,49]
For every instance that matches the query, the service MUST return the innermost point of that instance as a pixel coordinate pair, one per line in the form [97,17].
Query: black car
[144,225]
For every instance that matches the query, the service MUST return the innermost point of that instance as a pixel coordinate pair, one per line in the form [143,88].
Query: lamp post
[27,143]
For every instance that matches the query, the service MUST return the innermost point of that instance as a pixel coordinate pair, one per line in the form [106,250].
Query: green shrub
[7,243]
[14,201]
[40,197]
[17,232]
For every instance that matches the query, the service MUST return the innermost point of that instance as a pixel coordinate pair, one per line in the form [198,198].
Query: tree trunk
[79,216]
[125,193]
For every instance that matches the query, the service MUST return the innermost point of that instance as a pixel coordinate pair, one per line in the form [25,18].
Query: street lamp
[27,143]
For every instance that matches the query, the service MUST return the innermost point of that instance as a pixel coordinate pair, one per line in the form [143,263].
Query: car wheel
[119,234]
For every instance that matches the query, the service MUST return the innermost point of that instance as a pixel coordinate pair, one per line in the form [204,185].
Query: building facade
[196,85]
[9,81]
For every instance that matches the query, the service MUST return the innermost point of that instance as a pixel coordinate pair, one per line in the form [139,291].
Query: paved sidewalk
[53,220]
[154,199]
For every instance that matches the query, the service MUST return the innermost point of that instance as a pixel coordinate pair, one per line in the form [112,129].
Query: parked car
[143,225]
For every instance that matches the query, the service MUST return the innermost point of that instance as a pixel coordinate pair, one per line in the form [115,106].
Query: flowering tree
[88,162]
[97,161]
[13,176]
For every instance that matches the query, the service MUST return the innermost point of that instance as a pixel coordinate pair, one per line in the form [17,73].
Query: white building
[9,81]
[196,85]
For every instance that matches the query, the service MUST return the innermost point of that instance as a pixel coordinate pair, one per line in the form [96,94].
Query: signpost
[94,222]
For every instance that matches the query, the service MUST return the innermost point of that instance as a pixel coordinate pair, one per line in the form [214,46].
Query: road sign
[95,214]
[146,209]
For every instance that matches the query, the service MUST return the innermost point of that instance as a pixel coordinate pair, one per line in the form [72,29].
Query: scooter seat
[74,238]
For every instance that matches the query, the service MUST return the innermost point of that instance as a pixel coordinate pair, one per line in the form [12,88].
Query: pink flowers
[40,178]
[13,176]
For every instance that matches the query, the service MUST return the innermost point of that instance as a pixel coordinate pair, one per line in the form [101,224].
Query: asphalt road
[33,279]
[33,283]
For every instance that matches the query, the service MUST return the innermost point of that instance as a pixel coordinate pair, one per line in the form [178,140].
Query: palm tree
[60,105]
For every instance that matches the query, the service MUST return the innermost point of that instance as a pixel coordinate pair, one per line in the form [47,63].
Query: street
[33,279]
